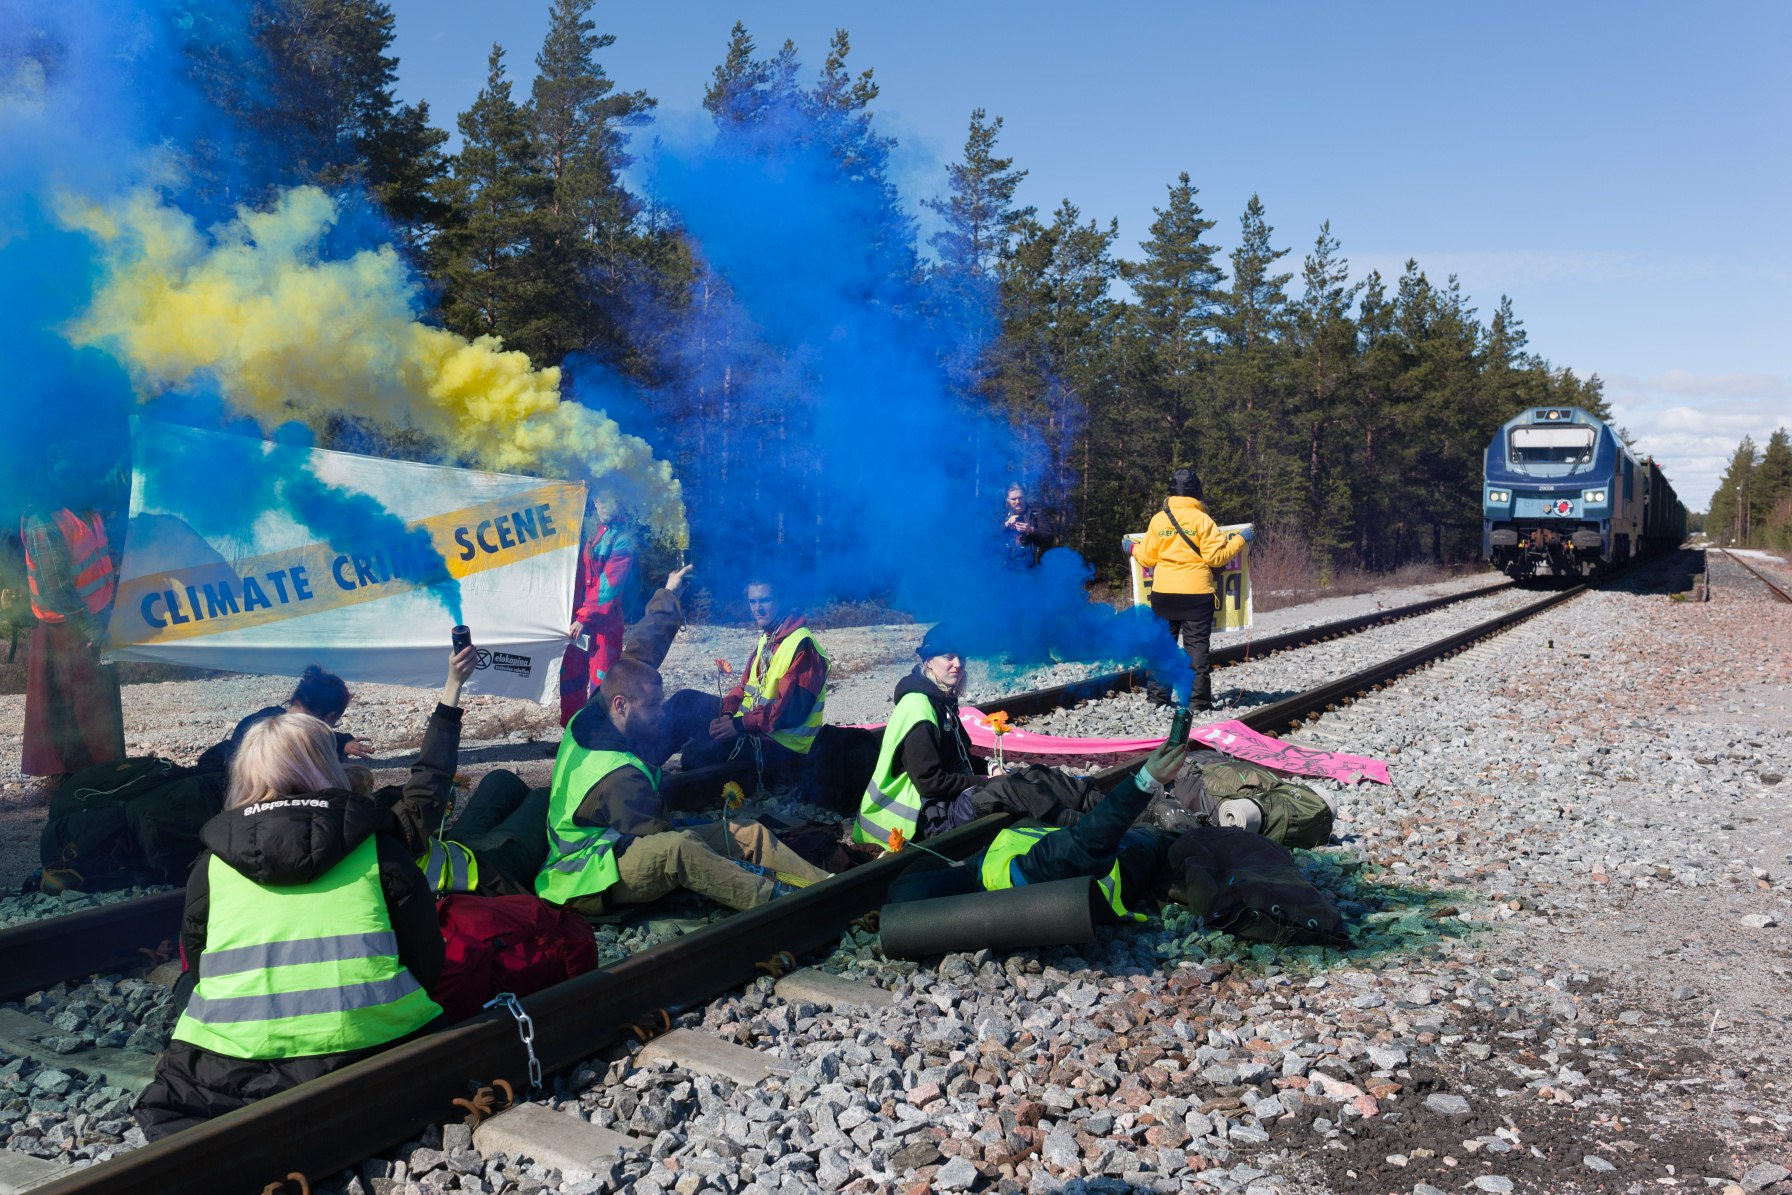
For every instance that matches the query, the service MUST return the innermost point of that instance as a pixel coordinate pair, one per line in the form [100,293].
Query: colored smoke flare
[286,334]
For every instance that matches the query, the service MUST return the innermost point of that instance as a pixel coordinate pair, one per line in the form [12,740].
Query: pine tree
[578,121]
[325,96]
[1732,503]
[1250,320]
[1176,290]
[487,260]
[1771,486]
[978,211]
[1324,342]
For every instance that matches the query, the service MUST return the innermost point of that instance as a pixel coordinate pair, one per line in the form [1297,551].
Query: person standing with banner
[605,582]
[1185,548]
[73,717]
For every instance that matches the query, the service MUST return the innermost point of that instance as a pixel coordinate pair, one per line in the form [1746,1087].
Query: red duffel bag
[518,944]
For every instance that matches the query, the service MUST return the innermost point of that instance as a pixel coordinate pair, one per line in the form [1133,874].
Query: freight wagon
[1562,495]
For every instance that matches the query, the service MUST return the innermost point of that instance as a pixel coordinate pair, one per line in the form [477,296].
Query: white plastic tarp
[367,585]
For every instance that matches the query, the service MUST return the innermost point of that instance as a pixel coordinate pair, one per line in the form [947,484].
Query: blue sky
[1622,170]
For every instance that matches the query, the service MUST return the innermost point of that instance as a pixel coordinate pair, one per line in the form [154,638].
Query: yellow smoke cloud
[287,335]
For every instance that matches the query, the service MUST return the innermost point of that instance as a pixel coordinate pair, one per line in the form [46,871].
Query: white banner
[356,564]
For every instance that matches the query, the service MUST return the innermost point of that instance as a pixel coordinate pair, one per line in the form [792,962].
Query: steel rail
[337,1121]
[329,1124]
[114,937]
[37,954]
[1040,701]
[1779,593]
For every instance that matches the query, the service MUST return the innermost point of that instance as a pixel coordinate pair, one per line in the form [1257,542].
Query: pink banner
[1240,741]
[1231,737]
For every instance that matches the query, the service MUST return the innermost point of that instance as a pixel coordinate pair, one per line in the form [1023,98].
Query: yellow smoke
[287,335]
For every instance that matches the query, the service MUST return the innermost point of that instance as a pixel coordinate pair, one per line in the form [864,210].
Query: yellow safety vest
[581,859]
[761,686]
[891,801]
[1017,840]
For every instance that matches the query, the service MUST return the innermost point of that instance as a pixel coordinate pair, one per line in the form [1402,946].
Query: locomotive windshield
[1570,445]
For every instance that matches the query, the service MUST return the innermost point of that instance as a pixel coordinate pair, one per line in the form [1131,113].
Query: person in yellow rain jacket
[1185,548]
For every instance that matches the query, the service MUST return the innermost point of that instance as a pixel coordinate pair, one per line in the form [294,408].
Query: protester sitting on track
[926,779]
[309,936]
[776,708]
[321,694]
[609,843]
[1104,845]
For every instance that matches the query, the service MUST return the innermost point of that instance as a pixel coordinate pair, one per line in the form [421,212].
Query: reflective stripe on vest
[1017,840]
[891,801]
[270,988]
[90,570]
[449,867]
[581,859]
[761,686]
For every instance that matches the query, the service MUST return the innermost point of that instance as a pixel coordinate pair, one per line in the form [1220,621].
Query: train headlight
[1499,495]
[1594,497]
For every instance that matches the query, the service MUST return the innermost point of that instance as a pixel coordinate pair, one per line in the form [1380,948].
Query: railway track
[114,937]
[1776,590]
[330,1124]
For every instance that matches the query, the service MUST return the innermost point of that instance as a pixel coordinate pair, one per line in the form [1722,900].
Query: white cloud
[1692,423]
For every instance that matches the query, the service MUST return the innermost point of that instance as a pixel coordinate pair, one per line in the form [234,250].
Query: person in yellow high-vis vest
[1123,860]
[309,937]
[778,704]
[609,843]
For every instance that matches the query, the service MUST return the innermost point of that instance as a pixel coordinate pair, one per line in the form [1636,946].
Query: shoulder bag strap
[1199,559]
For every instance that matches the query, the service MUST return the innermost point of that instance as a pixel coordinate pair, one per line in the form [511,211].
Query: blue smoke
[99,98]
[872,472]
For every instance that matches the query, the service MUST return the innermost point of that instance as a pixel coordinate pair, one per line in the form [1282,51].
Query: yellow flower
[733,796]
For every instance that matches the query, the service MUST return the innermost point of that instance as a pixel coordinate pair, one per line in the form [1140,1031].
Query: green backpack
[1293,814]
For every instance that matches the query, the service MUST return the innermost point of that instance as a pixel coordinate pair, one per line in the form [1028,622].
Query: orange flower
[724,667]
[896,840]
[998,722]
[462,780]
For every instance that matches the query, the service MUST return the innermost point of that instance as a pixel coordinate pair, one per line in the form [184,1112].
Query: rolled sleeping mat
[1060,913]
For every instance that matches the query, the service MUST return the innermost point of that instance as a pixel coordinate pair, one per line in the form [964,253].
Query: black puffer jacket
[937,758]
[281,843]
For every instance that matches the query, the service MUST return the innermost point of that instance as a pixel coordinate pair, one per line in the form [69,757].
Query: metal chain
[525,1028]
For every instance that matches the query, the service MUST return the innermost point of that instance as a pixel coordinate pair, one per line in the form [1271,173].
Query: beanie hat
[941,640]
[1185,483]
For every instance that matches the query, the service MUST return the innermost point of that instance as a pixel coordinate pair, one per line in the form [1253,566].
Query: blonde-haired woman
[310,937]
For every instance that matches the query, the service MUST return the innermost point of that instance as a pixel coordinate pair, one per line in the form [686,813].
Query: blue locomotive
[1563,496]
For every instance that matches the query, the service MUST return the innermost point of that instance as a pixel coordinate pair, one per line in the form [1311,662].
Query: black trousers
[505,825]
[1192,629]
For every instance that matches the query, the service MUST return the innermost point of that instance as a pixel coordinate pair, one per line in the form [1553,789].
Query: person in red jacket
[606,581]
[73,717]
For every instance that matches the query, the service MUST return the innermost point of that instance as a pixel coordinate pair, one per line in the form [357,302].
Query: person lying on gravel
[309,936]
[609,842]
[927,781]
[1104,845]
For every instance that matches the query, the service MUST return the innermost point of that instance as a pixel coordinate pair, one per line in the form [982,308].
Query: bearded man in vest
[73,718]
[609,841]
[779,703]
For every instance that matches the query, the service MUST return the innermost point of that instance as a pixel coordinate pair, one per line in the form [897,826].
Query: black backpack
[1247,886]
[115,825]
